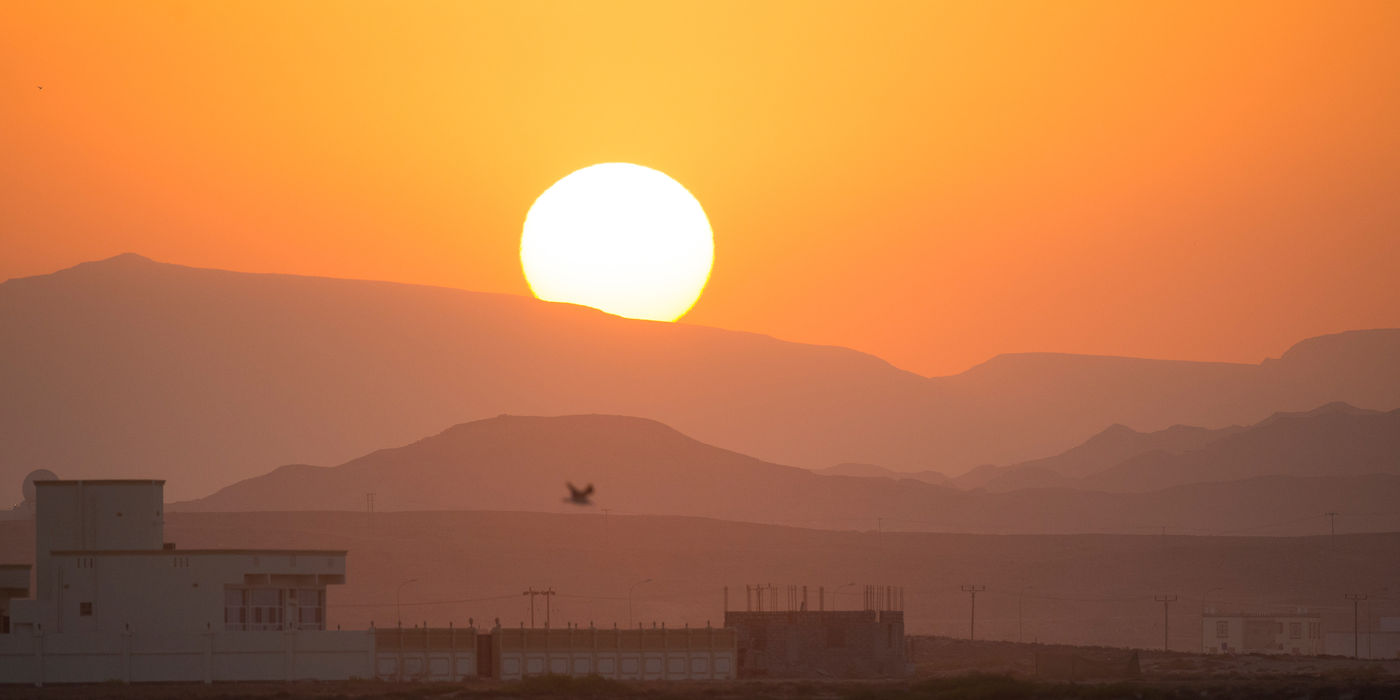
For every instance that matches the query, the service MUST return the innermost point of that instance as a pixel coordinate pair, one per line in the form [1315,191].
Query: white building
[1300,633]
[112,601]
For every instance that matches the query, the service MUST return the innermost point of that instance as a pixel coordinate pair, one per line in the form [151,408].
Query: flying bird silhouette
[579,496]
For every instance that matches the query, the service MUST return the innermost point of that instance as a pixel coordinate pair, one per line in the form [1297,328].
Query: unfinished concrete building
[787,632]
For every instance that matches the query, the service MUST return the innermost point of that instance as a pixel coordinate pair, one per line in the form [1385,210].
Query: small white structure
[1300,633]
[112,601]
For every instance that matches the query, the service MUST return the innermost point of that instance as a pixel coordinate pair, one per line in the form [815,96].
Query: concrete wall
[425,654]
[641,654]
[136,658]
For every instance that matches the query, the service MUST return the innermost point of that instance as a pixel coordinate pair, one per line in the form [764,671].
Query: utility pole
[1356,599]
[972,627]
[532,593]
[1166,601]
[1332,515]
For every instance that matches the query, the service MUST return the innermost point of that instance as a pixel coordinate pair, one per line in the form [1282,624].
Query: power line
[425,602]
[547,593]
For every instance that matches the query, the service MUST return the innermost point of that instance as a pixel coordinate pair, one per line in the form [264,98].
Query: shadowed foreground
[962,687]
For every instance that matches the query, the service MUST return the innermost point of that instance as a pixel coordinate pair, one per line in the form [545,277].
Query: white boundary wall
[622,665]
[215,656]
[640,654]
[418,654]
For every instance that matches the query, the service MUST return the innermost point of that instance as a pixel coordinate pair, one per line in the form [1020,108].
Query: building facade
[1300,633]
[112,601]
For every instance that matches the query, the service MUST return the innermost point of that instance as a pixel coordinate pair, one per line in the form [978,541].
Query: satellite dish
[36,475]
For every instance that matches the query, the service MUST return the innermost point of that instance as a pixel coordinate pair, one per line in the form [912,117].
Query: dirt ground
[944,668]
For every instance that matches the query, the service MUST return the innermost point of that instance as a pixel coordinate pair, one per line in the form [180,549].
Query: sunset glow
[618,237]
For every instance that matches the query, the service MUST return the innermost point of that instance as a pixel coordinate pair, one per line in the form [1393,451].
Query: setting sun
[618,237]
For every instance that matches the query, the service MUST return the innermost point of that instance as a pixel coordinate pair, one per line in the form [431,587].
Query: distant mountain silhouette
[877,471]
[1336,439]
[128,367]
[1115,445]
[643,467]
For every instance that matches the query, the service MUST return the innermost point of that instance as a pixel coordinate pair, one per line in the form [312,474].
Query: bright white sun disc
[619,237]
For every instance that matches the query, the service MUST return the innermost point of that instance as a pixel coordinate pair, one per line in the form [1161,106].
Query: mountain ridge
[130,366]
[642,467]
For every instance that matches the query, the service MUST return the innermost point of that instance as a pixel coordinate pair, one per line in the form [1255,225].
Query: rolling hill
[640,466]
[1333,440]
[129,367]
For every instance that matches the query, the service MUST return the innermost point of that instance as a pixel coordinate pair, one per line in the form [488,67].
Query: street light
[398,606]
[629,599]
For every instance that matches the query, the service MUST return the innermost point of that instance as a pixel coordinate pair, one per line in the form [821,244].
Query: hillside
[1332,440]
[131,367]
[876,471]
[643,467]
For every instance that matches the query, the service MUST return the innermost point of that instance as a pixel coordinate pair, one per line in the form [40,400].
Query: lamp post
[629,599]
[398,604]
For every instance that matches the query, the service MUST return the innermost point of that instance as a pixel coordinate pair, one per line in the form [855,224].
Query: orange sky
[933,182]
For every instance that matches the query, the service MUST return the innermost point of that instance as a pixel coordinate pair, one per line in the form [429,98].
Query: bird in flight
[579,496]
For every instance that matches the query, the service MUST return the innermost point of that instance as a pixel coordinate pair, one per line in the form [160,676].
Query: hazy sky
[933,182]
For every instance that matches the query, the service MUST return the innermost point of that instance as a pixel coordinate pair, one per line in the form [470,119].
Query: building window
[253,609]
[311,608]
[1314,630]
[85,609]
[1295,630]
[1222,629]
